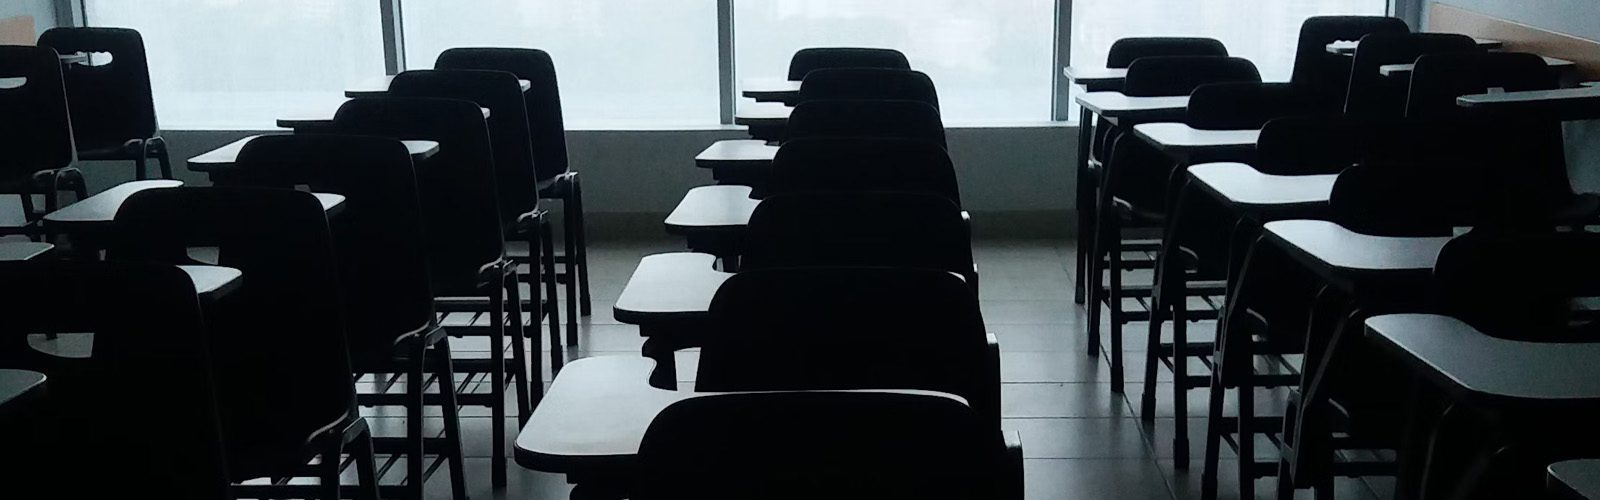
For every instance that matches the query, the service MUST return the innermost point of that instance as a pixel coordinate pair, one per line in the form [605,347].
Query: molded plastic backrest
[1483,278]
[1180,75]
[1372,95]
[784,329]
[145,390]
[278,342]
[111,103]
[37,130]
[508,126]
[858,229]
[460,207]
[378,236]
[807,60]
[866,118]
[1127,50]
[543,97]
[1414,199]
[1245,106]
[869,83]
[1327,75]
[1312,145]
[840,445]
[862,164]
[1439,79]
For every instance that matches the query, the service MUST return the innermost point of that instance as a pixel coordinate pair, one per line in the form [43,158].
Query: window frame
[1060,100]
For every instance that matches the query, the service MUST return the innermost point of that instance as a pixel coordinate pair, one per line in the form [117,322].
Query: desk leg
[1082,201]
[665,376]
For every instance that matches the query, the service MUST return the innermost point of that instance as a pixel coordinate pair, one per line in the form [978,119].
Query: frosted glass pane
[621,63]
[990,60]
[240,64]
[1264,31]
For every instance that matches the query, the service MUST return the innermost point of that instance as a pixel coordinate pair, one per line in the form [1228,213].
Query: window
[992,61]
[240,64]
[1264,31]
[621,63]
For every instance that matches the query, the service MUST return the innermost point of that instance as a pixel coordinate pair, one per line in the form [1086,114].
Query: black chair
[556,179]
[113,110]
[1374,96]
[383,267]
[515,175]
[868,84]
[806,445]
[138,416]
[1140,165]
[470,272]
[823,229]
[811,59]
[1327,76]
[1092,143]
[37,135]
[280,357]
[819,164]
[867,118]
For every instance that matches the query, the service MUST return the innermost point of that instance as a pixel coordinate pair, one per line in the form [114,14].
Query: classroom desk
[1348,47]
[770,90]
[379,87]
[738,161]
[312,119]
[1096,79]
[594,416]
[1470,365]
[713,218]
[222,159]
[17,251]
[97,212]
[1242,187]
[18,389]
[1114,107]
[1574,479]
[213,282]
[1404,70]
[763,115]
[1182,141]
[1581,103]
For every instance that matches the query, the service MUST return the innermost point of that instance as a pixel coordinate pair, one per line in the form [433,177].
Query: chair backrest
[508,126]
[282,366]
[809,445]
[543,97]
[1438,79]
[1312,145]
[1484,279]
[869,83]
[1374,96]
[858,229]
[378,237]
[1125,51]
[37,131]
[1246,106]
[145,390]
[862,164]
[1179,75]
[460,207]
[781,329]
[866,118]
[111,103]
[1327,75]
[1416,198]
[807,60]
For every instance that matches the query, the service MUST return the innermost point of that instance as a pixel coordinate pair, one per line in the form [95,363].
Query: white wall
[43,11]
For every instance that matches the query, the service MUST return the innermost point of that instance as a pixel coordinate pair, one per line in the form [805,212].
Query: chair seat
[1473,364]
[712,209]
[1242,185]
[670,287]
[1340,249]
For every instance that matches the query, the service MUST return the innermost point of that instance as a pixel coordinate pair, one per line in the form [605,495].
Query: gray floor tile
[1094,479]
[1061,400]
[1079,437]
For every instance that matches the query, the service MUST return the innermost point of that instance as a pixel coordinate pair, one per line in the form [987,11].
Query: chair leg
[445,371]
[547,257]
[1093,289]
[1114,306]
[366,465]
[158,147]
[1246,394]
[497,385]
[1083,203]
[519,350]
[416,449]
[329,468]
[569,242]
[582,230]
[141,162]
[1210,472]
[1180,384]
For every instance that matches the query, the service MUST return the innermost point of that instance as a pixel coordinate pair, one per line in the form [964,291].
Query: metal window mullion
[394,39]
[725,68]
[1061,89]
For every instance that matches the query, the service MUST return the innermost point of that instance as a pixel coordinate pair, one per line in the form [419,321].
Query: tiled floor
[1080,440]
